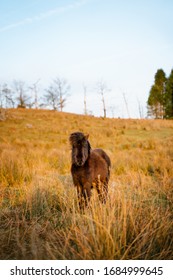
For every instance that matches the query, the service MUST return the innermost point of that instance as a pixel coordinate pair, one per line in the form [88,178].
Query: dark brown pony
[90,168]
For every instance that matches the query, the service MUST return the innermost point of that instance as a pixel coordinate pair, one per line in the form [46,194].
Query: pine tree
[156,97]
[169,97]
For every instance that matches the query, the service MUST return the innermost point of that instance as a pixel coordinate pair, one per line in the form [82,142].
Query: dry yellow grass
[39,215]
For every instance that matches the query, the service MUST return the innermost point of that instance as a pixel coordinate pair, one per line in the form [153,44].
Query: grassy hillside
[39,215]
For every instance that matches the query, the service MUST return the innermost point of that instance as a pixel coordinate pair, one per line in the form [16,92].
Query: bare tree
[85,105]
[140,109]
[103,90]
[126,104]
[7,96]
[52,98]
[1,97]
[20,90]
[112,109]
[34,90]
[63,89]
[57,93]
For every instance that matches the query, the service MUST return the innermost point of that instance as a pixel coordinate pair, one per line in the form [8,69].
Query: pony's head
[80,148]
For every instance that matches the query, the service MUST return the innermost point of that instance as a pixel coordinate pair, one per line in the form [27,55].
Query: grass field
[39,215]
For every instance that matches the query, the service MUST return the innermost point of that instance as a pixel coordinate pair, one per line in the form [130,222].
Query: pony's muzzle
[79,162]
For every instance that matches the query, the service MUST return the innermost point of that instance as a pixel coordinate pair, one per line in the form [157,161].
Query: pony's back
[104,156]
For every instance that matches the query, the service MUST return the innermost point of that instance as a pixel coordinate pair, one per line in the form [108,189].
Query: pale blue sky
[121,42]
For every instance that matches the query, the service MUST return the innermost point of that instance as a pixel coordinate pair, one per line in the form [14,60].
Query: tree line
[160,100]
[20,95]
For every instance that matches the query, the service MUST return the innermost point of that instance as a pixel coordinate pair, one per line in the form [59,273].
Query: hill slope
[39,216]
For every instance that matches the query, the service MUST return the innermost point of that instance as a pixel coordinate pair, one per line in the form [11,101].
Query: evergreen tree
[169,97]
[156,97]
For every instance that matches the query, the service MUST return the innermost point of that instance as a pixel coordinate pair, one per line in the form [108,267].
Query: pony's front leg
[87,193]
[84,194]
[80,197]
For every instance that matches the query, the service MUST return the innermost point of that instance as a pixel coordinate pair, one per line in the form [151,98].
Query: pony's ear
[70,139]
[86,136]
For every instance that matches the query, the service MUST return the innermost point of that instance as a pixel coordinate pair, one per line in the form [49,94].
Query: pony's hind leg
[102,189]
[105,192]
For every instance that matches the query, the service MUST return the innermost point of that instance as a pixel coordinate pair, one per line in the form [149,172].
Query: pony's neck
[89,148]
